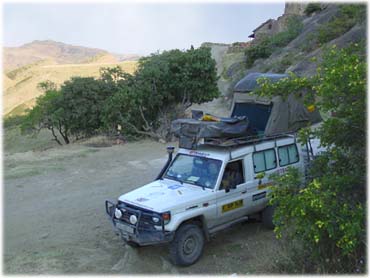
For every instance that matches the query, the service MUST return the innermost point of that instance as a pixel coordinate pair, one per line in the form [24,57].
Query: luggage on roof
[208,126]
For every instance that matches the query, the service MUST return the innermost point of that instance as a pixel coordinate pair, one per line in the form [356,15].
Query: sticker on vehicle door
[232,206]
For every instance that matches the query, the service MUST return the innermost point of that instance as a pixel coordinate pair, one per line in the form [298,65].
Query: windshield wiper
[197,183]
[174,178]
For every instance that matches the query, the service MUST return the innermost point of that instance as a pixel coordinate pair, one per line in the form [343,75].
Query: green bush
[13,121]
[267,45]
[328,214]
[140,103]
[311,8]
[261,50]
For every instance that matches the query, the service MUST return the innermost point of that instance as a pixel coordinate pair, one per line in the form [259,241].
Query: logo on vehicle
[174,186]
[198,153]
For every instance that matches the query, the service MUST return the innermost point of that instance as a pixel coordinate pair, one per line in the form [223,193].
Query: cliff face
[294,57]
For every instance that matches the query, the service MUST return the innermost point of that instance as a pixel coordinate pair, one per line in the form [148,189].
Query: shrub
[267,45]
[311,8]
[13,121]
[328,214]
[261,50]
[140,103]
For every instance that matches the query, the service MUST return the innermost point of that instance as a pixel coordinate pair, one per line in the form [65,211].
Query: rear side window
[288,155]
[264,160]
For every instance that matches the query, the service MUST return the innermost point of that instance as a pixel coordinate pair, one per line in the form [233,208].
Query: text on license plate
[233,205]
[125,228]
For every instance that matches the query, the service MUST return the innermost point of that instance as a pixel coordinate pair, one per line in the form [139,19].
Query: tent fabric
[249,82]
[258,114]
[286,116]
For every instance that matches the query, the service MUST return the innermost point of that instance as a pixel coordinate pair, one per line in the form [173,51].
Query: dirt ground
[55,223]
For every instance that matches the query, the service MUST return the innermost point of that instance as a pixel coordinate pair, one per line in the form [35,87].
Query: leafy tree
[81,105]
[328,215]
[45,115]
[144,103]
[164,85]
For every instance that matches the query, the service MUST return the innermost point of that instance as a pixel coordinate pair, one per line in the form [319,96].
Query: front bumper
[142,233]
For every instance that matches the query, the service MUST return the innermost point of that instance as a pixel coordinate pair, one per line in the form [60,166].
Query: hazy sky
[134,28]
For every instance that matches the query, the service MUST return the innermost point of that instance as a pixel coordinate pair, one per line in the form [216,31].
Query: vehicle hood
[165,195]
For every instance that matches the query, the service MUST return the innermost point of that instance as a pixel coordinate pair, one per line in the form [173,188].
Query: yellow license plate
[233,205]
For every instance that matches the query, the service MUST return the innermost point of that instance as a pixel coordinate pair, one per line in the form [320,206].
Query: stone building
[273,26]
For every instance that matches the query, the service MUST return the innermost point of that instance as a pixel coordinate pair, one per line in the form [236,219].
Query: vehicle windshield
[201,171]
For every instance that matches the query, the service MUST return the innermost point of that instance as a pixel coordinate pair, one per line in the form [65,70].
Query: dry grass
[21,91]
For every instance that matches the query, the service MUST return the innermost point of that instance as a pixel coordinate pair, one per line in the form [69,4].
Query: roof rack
[248,140]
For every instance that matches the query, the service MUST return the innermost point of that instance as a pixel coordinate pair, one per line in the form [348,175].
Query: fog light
[118,213]
[155,219]
[133,219]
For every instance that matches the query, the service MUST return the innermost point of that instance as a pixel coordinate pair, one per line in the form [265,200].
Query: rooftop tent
[270,116]
[249,82]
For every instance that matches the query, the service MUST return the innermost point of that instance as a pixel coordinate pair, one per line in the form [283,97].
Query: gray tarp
[209,129]
[286,115]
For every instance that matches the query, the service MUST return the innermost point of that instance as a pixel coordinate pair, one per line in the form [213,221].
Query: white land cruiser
[202,191]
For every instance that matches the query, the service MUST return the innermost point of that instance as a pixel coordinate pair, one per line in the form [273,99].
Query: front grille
[144,216]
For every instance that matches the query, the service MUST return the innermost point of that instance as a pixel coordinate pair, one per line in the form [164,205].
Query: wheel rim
[189,245]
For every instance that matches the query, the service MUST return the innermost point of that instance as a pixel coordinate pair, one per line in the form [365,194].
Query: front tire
[187,246]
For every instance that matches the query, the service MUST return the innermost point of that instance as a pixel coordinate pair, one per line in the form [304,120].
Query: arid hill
[58,53]
[26,66]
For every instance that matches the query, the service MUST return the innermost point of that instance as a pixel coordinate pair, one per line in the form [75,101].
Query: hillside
[58,53]
[26,66]
[319,30]
[21,84]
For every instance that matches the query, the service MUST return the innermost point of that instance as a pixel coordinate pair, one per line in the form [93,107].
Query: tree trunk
[64,135]
[55,136]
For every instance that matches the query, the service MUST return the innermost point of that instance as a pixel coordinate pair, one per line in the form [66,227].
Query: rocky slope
[297,56]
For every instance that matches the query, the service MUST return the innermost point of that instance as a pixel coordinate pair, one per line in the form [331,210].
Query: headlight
[133,219]
[118,213]
[155,219]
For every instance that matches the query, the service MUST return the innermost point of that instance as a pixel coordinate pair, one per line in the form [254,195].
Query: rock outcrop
[294,57]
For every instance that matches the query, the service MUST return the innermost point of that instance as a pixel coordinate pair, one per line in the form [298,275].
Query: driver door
[231,193]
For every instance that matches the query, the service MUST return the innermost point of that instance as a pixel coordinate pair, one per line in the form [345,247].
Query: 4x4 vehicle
[203,191]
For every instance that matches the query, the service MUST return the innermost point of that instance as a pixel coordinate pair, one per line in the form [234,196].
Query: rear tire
[187,246]
[267,217]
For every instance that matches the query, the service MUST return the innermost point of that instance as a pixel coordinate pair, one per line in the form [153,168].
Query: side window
[233,175]
[264,160]
[288,155]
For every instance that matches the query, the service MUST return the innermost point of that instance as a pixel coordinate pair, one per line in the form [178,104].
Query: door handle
[243,192]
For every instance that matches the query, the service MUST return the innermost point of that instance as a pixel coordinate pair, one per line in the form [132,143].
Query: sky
[141,28]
